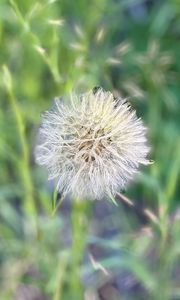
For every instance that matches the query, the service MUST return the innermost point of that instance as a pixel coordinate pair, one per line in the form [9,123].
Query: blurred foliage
[48,48]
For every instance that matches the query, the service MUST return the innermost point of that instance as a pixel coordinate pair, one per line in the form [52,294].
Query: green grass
[47,49]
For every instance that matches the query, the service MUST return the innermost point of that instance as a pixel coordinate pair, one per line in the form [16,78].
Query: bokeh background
[101,250]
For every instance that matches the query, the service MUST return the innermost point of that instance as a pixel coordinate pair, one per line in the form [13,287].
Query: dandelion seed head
[92,147]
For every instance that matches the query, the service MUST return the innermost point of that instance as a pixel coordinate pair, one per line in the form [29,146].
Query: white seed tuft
[93,147]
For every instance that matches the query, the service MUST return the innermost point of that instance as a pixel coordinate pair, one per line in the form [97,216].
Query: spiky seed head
[93,146]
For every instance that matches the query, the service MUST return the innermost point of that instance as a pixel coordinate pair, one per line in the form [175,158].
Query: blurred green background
[98,250]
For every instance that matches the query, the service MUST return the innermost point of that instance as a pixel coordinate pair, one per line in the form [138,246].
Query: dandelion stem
[79,230]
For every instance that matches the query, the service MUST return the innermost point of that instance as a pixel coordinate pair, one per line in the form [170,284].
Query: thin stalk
[162,269]
[24,170]
[79,220]
[62,265]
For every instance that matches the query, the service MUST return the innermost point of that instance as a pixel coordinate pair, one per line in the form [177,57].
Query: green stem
[62,265]
[79,232]
[162,272]
[24,169]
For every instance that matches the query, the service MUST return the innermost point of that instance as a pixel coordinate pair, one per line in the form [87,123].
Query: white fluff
[93,147]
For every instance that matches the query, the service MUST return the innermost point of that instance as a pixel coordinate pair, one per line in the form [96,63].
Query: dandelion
[92,146]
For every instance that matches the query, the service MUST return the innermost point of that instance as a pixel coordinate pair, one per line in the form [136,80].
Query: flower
[92,146]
